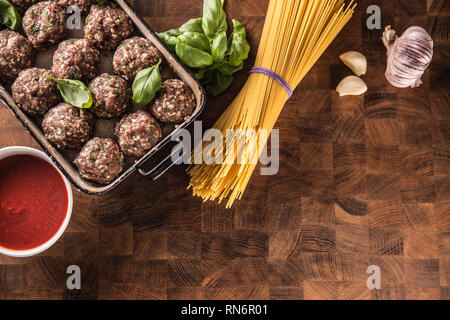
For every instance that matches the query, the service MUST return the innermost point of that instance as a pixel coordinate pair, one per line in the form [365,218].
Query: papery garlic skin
[351,86]
[408,56]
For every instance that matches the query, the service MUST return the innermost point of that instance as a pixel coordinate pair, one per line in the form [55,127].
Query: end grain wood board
[363,181]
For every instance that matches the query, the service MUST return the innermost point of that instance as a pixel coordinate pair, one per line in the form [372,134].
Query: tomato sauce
[33,202]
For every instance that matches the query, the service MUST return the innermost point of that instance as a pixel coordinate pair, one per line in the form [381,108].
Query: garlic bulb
[408,56]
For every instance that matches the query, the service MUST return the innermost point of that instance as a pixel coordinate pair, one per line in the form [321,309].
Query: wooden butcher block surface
[363,181]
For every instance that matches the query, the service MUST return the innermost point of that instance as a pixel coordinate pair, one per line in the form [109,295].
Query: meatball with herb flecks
[174,103]
[67,127]
[45,24]
[100,160]
[107,26]
[133,55]
[34,92]
[16,54]
[84,5]
[76,59]
[112,96]
[137,133]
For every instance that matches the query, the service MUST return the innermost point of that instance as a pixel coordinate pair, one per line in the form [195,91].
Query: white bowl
[13,151]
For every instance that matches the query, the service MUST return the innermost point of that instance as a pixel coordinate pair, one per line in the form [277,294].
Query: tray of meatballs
[97,147]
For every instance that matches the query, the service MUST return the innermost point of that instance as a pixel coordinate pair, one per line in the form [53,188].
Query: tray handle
[163,166]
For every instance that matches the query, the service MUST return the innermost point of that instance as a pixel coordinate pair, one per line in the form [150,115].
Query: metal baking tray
[63,160]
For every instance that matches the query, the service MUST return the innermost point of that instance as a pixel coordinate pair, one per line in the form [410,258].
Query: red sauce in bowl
[33,202]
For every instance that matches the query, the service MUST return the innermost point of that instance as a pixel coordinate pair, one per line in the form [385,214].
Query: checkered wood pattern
[363,180]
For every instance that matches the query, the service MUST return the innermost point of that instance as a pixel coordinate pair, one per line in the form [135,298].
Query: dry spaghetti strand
[296,33]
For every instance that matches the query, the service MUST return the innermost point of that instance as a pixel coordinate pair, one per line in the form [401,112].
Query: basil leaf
[9,16]
[193,25]
[74,92]
[170,36]
[101,2]
[214,18]
[146,84]
[205,74]
[220,82]
[169,40]
[193,57]
[238,47]
[196,40]
[219,47]
[174,32]
[228,69]
[201,73]
[207,78]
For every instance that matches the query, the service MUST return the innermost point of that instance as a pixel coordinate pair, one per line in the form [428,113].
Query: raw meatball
[112,95]
[76,59]
[100,160]
[174,103]
[133,55]
[45,24]
[107,26]
[84,5]
[16,54]
[67,127]
[137,133]
[23,5]
[34,92]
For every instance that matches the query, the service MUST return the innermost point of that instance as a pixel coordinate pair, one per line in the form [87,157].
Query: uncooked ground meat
[67,127]
[107,26]
[76,59]
[34,92]
[45,24]
[174,103]
[137,133]
[16,54]
[100,160]
[23,5]
[84,5]
[112,95]
[133,55]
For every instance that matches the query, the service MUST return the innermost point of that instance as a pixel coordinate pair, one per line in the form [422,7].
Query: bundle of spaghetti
[296,33]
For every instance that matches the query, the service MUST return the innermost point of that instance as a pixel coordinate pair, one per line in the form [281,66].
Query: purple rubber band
[272,74]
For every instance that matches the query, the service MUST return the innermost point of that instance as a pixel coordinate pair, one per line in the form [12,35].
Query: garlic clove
[356,61]
[351,86]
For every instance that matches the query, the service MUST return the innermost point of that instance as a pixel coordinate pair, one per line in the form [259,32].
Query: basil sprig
[74,92]
[146,84]
[203,46]
[9,16]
